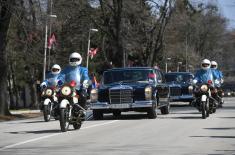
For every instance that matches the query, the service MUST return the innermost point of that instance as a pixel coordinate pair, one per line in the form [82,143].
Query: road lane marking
[92,126]
[55,134]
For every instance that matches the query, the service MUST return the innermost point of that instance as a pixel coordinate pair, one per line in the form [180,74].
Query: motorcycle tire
[203,109]
[208,111]
[47,112]
[77,125]
[64,119]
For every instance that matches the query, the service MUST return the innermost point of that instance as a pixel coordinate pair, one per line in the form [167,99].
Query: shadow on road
[213,136]
[190,113]
[182,117]
[227,117]
[41,121]
[35,132]
[123,117]
[228,128]
[228,107]
[179,105]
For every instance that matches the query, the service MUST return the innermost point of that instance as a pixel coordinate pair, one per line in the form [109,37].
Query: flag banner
[51,40]
[93,52]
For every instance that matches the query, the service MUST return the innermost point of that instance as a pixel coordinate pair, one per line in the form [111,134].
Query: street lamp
[45,47]
[88,46]
[178,66]
[168,59]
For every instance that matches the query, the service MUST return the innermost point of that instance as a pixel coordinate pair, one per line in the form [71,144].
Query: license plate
[119,106]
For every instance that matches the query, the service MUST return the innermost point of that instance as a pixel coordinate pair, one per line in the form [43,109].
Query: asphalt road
[182,132]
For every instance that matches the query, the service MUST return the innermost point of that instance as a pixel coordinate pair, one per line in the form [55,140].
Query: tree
[5,17]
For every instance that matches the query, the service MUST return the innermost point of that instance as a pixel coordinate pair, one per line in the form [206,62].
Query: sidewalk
[24,111]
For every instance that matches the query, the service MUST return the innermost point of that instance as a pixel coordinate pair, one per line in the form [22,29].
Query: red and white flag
[93,52]
[51,40]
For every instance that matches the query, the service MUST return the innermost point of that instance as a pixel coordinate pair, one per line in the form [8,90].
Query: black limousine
[179,83]
[130,89]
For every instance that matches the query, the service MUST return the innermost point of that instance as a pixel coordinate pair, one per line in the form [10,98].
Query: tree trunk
[5,16]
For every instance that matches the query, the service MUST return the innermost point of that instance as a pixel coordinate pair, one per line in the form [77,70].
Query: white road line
[48,136]
[92,126]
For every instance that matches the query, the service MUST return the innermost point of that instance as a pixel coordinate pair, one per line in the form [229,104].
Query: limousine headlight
[190,88]
[94,95]
[148,93]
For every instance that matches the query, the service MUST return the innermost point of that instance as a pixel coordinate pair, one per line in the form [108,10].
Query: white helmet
[214,64]
[205,64]
[75,59]
[55,69]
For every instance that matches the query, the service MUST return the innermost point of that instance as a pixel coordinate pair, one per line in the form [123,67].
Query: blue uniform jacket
[51,80]
[217,73]
[76,73]
[203,76]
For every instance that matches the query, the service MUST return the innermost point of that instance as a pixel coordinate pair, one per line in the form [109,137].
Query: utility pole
[186,54]
[45,44]
[49,50]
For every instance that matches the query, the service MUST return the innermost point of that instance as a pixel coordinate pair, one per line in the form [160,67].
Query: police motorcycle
[218,93]
[203,99]
[50,104]
[71,113]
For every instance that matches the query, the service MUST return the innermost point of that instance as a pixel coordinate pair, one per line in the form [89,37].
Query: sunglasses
[205,65]
[213,66]
[55,70]
[74,59]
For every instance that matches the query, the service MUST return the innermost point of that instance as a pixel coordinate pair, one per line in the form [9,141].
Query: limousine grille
[120,96]
[175,91]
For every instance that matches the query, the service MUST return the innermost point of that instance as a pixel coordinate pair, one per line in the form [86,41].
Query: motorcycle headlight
[148,93]
[94,95]
[204,88]
[48,92]
[66,91]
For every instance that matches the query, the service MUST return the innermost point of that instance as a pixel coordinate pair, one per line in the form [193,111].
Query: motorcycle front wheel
[207,104]
[47,112]
[203,109]
[64,119]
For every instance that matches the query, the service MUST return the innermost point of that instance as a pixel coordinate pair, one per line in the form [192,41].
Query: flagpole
[45,54]
[49,50]
[45,47]
[88,46]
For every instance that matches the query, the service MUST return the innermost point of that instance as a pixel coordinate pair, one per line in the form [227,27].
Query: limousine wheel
[97,114]
[117,113]
[165,110]
[152,114]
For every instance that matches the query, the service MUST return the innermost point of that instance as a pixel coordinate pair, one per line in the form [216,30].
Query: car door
[162,89]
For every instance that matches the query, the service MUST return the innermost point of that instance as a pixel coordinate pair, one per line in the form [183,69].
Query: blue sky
[228,10]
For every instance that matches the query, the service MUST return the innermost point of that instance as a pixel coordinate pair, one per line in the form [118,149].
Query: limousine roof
[169,73]
[130,68]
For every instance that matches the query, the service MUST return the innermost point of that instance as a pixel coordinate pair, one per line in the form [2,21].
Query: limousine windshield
[127,76]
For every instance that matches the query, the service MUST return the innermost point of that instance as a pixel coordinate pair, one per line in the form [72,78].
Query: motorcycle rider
[217,73]
[52,77]
[74,72]
[203,76]
[205,73]
[218,82]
